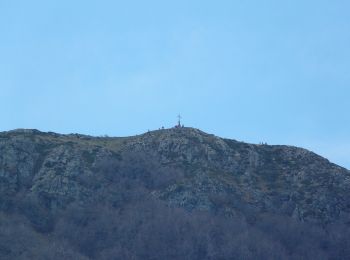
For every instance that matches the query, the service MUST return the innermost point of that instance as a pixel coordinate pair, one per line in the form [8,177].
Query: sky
[254,71]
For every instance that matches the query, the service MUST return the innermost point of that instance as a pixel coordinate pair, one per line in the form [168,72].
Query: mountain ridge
[255,170]
[176,193]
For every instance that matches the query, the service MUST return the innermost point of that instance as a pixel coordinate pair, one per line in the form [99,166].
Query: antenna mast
[179,120]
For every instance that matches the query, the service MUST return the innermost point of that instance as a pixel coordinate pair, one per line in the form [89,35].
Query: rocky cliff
[184,167]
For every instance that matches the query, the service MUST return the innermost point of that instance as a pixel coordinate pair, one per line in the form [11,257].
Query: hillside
[79,196]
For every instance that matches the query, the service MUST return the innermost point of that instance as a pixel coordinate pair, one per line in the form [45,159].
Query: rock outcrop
[201,171]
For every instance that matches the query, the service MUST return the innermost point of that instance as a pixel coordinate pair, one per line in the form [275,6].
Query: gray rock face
[210,173]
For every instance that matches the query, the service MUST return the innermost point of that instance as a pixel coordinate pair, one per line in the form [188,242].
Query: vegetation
[165,199]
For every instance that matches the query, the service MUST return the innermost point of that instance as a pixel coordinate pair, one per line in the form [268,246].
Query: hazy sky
[272,71]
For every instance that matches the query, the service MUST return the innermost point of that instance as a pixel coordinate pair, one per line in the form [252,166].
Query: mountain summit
[44,176]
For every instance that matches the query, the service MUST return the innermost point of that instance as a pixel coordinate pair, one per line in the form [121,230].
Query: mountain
[81,197]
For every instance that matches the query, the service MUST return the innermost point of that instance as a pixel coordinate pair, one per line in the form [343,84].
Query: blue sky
[272,71]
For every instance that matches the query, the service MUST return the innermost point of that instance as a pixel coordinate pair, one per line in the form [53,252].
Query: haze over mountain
[176,193]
